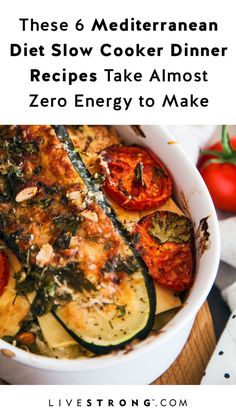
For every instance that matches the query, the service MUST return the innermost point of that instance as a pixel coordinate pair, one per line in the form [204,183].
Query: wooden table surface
[191,363]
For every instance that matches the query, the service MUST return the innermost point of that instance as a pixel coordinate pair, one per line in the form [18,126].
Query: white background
[15,86]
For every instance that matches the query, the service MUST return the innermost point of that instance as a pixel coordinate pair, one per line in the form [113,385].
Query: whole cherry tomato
[217,166]
[4,271]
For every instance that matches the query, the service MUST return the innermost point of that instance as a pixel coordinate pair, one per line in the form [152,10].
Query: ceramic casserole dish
[147,359]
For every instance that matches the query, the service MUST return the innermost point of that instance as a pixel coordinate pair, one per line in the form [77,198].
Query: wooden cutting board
[191,363]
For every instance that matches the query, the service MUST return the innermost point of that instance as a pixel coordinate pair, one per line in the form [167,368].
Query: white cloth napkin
[222,366]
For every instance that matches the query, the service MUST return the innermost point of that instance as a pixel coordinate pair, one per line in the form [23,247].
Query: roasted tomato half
[164,240]
[4,271]
[134,177]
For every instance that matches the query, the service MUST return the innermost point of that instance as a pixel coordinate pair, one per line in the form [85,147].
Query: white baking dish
[150,358]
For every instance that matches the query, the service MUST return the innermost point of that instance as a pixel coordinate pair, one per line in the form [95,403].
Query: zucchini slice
[98,323]
[102,325]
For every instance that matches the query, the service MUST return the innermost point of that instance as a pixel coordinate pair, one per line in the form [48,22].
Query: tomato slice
[169,254]
[4,272]
[134,177]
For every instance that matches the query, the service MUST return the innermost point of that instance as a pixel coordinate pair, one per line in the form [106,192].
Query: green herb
[50,190]
[75,278]
[44,203]
[37,170]
[7,167]
[138,172]
[44,300]
[40,280]
[17,147]
[9,339]
[121,311]
[11,240]
[26,324]
[28,280]
[120,264]
[64,296]
[5,196]
[3,221]
[170,227]
[121,187]
[107,246]
[98,178]
[136,238]
[63,240]
[26,238]
[68,223]
[159,172]
[87,144]
[226,155]
[64,200]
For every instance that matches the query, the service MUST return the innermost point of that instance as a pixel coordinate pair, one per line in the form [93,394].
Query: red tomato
[169,263]
[134,178]
[4,271]
[220,177]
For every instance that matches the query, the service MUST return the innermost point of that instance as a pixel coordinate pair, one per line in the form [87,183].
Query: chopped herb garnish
[18,147]
[44,203]
[5,196]
[64,200]
[44,281]
[67,223]
[98,178]
[135,238]
[74,278]
[121,311]
[37,170]
[26,324]
[120,264]
[43,302]
[12,238]
[87,144]
[50,190]
[9,339]
[122,188]
[28,280]
[138,172]
[63,240]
